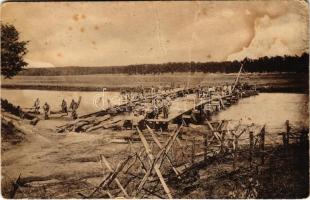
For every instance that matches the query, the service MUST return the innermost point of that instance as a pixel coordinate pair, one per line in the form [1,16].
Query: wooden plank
[156,166]
[160,146]
[111,176]
[116,179]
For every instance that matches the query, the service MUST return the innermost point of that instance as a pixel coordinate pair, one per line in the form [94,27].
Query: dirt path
[46,155]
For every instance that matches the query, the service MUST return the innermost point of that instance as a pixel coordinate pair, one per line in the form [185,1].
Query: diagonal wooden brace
[107,164]
[160,146]
[108,180]
[156,162]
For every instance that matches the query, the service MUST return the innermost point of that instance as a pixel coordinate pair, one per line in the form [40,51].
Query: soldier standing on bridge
[208,107]
[155,109]
[229,89]
[225,88]
[166,105]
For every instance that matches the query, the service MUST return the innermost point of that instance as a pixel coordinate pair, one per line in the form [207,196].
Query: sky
[123,33]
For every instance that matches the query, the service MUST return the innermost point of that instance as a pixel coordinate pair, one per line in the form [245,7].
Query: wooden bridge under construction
[185,107]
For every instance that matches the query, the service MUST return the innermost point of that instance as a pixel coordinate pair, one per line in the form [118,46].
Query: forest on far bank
[298,64]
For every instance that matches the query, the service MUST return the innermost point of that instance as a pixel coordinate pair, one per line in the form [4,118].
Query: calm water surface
[272,109]
[90,100]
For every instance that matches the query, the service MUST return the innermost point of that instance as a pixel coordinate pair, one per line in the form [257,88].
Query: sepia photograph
[155,99]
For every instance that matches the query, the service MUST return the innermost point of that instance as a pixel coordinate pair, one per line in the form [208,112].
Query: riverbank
[71,165]
[284,175]
[71,161]
[266,82]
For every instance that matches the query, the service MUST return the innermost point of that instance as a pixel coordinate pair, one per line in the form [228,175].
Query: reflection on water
[272,109]
[26,98]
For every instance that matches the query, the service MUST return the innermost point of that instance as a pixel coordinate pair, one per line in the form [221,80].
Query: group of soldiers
[158,105]
[205,92]
[140,93]
[46,108]
[132,96]
[64,108]
[226,89]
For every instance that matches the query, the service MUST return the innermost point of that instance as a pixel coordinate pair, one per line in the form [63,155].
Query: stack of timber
[86,124]
[105,118]
[15,110]
[118,109]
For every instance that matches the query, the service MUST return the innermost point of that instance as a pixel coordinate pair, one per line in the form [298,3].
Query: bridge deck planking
[175,112]
[174,92]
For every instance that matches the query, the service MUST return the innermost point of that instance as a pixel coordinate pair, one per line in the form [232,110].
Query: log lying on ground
[111,124]
[33,121]
[82,124]
[16,124]
[103,125]
[15,110]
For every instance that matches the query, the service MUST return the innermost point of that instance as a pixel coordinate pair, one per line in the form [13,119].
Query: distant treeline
[264,64]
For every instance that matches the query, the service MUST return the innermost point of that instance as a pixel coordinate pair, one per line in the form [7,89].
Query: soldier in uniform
[165,104]
[74,108]
[64,107]
[37,106]
[46,109]
[71,104]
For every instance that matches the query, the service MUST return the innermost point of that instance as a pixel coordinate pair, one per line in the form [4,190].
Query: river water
[272,109]
[91,101]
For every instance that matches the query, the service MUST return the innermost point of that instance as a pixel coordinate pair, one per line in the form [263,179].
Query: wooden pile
[15,110]
[87,124]
[168,158]
[141,174]
[94,121]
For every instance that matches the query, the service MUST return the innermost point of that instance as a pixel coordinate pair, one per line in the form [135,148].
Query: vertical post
[271,174]
[185,150]
[193,151]
[222,141]
[284,141]
[206,147]
[285,136]
[172,154]
[262,145]
[235,151]
[130,146]
[251,147]
[288,129]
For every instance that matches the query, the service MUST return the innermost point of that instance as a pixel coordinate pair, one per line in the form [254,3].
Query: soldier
[207,110]
[225,88]
[37,106]
[155,109]
[229,89]
[74,107]
[64,107]
[109,103]
[165,108]
[130,106]
[71,104]
[46,109]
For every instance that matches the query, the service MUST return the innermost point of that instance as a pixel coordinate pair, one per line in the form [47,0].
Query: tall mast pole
[237,78]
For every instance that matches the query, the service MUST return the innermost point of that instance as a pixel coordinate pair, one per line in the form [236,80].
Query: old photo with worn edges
[155,99]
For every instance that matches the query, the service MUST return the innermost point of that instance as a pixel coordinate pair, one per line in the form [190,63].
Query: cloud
[282,32]
[121,33]
[36,64]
